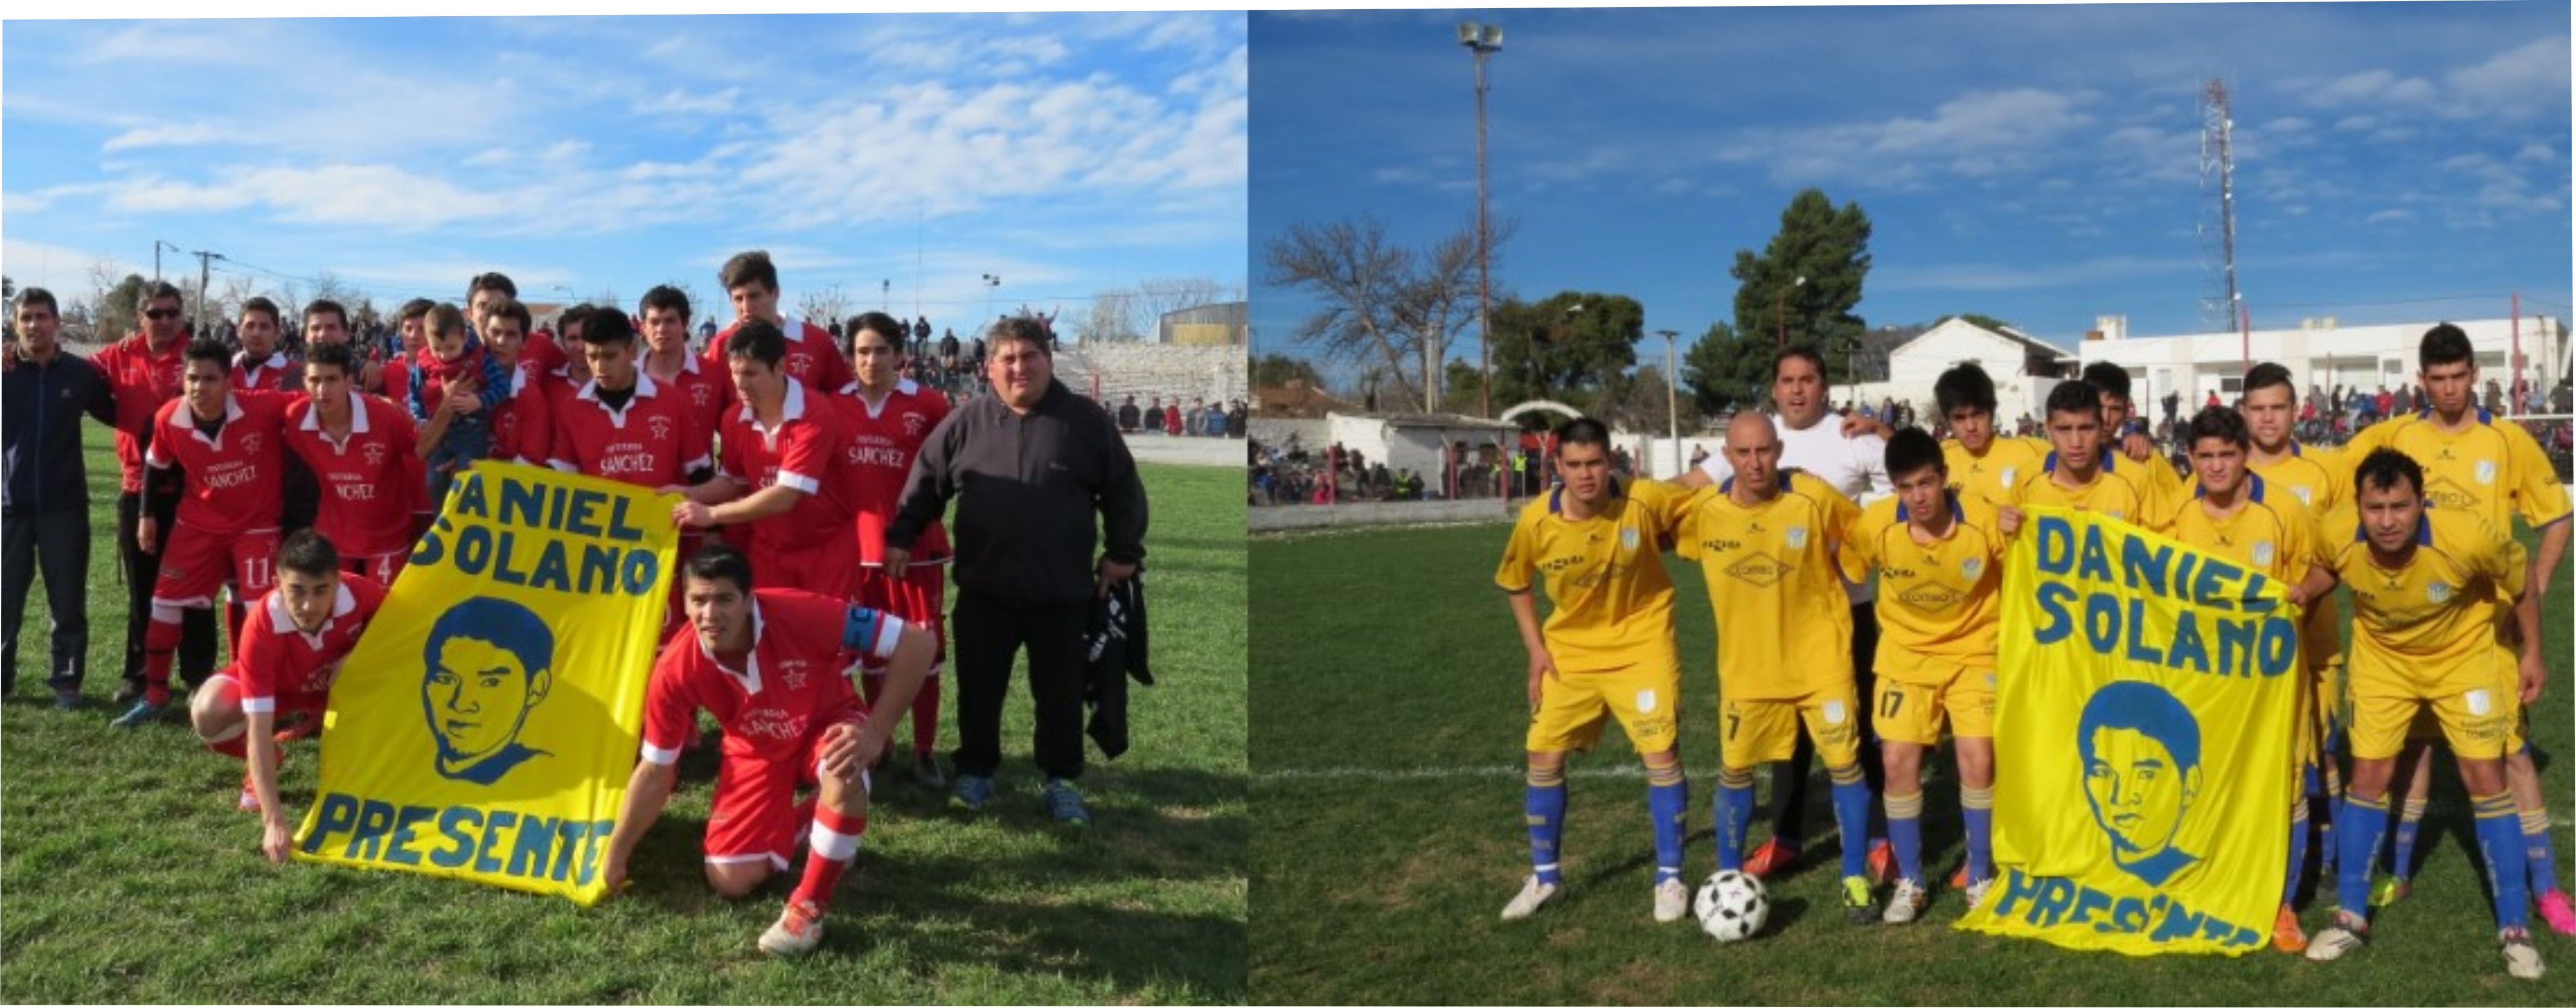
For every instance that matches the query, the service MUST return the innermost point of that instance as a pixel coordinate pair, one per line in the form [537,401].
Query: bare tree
[824,306]
[237,288]
[1112,318]
[1384,305]
[328,286]
[1164,295]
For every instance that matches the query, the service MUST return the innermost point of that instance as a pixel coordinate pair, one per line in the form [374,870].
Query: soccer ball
[1731,906]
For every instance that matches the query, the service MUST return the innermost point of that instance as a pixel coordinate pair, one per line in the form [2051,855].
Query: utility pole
[1672,401]
[205,272]
[157,246]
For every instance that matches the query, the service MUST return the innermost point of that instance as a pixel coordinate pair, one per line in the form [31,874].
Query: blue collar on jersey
[1957,513]
[1728,487]
[1556,497]
[2107,452]
[2484,417]
[2423,528]
[2254,494]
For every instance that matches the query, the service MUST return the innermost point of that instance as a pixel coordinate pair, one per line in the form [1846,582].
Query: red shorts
[380,568]
[828,566]
[196,562]
[754,815]
[917,599]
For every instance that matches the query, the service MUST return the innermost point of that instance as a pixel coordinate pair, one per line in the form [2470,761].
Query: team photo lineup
[807,473]
[1857,574]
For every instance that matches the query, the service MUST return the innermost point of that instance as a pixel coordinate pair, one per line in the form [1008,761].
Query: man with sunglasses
[145,370]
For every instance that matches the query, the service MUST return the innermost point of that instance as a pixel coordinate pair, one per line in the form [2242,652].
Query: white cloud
[680,102]
[2528,79]
[175,135]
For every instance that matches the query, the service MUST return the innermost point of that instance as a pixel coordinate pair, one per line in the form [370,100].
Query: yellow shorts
[2479,720]
[1761,731]
[1645,697]
[1908,712]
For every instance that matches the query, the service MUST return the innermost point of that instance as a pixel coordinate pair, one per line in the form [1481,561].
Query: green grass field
[127,875]
[1387,834]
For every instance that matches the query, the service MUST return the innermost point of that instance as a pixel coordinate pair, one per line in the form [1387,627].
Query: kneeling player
[2427,587]
[292,642]
[772,666]
[1766,540]
[1939,560]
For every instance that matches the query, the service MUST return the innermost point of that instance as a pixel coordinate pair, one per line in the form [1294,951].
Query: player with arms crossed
[1766,539]
[2431,629]
[290,653]
[770,665]
[2239,515]
[1939,561]
[2495,470]
[1606,650]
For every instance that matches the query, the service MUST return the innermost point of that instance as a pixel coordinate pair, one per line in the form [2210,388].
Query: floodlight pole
[1672,401]
[1482,41]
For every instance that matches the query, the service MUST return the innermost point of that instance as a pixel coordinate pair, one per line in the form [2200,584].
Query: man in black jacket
[1031,464]
[44,508]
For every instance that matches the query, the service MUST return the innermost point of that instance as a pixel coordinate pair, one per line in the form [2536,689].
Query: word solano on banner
[485,727]
[2144,711]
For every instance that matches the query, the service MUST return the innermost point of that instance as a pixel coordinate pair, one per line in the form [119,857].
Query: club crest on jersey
[2437,593]
[2008,477]
[2302,494]
[250,443]
[661,428]
[2263,554]
[1971,567]
[2486,472]
[1628,539]
[1797,537]
[913,423]
[375,454]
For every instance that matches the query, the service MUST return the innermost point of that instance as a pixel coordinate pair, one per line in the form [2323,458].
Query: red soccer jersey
[279,661]
[811,359]
[877,457]
[640,445]
[800,454]
[233,477]
[142,380]
[369,479]
[394,380]
[792,681]
[522,428]
[705,391]
[266,376]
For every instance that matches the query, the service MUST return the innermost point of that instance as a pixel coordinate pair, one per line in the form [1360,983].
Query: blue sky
[1065,153]
[2040,164]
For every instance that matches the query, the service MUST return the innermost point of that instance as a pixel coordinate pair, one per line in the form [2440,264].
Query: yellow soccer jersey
[2319,477]
[1990,477]
[1783,622]
[2491,468]
[2271,533]
[1937,601]
[2411,625]
[2118,490]
[1611,602]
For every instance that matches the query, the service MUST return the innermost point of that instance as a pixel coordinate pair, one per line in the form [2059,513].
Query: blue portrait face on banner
[2141,750]
[488,664]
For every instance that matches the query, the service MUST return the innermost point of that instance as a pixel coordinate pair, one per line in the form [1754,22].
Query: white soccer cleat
[2521,960]
[798,930]
[1533,894]
[1672,901]
[1975,893]
[1906,903]
[2337,940]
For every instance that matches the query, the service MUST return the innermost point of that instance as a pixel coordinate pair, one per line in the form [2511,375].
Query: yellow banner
[486,725]
[2144,709]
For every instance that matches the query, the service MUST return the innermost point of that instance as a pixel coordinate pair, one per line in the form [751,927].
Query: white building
[2024,369]
[2321,354]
